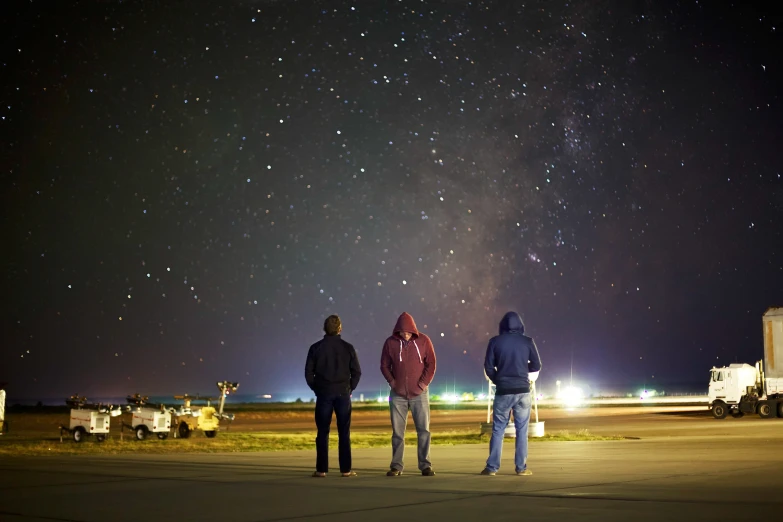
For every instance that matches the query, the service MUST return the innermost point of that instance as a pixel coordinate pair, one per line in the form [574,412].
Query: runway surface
[684,467]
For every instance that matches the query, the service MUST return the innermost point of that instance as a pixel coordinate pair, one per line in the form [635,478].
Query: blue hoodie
[511,356]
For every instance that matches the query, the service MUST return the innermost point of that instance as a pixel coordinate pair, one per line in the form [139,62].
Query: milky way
[190,188]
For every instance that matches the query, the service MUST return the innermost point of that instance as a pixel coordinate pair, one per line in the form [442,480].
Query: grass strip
[233,442]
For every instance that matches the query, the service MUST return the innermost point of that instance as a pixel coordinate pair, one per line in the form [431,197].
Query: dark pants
[341,406]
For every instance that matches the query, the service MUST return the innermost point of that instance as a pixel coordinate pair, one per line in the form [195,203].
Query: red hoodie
[408,366]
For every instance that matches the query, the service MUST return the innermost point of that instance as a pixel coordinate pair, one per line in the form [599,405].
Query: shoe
[524,473]
[349,474]
[319,474]
[394,473]
[427,472]
[488,473]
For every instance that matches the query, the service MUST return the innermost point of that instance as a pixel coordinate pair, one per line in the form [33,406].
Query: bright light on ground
[571,396]
[451,397]
[645,394]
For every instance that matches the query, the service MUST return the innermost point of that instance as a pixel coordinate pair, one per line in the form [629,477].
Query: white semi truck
[738,389]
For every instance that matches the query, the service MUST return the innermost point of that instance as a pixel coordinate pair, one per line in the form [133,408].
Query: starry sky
[190,187]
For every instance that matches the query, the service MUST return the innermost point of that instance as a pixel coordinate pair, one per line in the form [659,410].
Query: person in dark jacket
[332,371]
[511,363]
[408,365]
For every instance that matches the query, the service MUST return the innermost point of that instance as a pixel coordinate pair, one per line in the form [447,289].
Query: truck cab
[730,383]
[742,388]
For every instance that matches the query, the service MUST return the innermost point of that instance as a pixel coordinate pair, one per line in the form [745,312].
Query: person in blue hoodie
[512,363]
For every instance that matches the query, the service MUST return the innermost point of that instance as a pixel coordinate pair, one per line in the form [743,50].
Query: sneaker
[319,474]
[488,473]
[349,474]
[524,473]
[427,472]
[394,473]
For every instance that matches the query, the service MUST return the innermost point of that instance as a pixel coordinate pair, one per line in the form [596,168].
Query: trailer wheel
[78,434]
[765,410]
[719,409]
[100,437]
[184,430]
[210,434]
[163,436]
[141,432]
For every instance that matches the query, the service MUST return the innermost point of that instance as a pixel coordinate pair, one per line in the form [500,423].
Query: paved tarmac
[734,475]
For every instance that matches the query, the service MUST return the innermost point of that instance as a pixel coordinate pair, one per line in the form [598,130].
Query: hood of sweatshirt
[405,323]
[512,323]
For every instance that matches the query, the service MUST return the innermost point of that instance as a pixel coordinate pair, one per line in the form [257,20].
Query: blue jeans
[502,407]
[340,405]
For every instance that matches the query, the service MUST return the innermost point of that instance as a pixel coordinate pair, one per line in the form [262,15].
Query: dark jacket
[332,367]
[511,356]
[408,366]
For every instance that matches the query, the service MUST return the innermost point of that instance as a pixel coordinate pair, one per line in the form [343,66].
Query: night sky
[189,188]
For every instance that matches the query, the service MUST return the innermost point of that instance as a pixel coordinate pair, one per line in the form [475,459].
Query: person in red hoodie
[408,365]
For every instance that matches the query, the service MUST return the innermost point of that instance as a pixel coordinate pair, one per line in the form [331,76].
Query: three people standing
[408,364]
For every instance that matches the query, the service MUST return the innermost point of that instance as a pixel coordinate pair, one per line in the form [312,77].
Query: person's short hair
[333,325]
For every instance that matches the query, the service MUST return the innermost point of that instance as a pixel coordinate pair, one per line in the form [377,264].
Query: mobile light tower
[88,419]
[3,423]
[205,418]
[148,417]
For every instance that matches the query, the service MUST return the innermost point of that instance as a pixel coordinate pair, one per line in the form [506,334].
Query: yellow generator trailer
[205,418]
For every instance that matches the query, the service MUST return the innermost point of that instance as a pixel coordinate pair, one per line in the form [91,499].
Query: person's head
[406,327]
[333,325]
[512,322]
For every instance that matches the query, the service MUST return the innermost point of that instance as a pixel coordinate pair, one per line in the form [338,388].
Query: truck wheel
[78,434]
[184,430]
[210,434]
[737,414]
[163,436]
[141,432]
[100,437]
[765,410]
[780,410]
[719,409]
